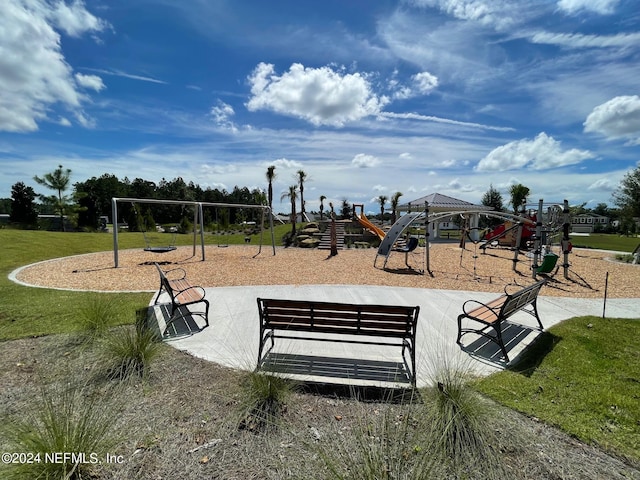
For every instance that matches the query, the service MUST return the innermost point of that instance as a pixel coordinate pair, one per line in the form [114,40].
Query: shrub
[265,396]
[130,351]
[96,315]
[457,421]
[68,419]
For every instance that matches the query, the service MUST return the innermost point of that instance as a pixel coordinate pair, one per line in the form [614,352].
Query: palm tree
[322,199]
[292,195]
[382,199]
[302,176]
[394,206]
[271,175]
[57,180]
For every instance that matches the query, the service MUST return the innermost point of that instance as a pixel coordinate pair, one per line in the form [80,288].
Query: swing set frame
[198,221]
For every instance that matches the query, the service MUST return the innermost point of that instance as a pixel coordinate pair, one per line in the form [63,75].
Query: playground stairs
[325,240]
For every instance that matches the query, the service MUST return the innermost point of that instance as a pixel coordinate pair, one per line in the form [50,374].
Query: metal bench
[492,315]
[181,293]
[391,325]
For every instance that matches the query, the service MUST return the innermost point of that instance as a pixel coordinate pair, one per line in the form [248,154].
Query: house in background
[588,223]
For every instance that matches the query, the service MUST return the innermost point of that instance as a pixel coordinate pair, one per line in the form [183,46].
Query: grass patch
[588,383]
[129,352]
[604,241]
[265,400]
[66,418]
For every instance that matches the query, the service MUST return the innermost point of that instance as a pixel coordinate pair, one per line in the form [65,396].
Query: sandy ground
[451,267]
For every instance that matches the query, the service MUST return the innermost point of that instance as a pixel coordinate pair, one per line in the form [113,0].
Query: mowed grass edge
[583,376]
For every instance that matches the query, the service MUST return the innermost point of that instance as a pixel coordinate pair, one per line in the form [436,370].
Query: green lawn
[27,311]
[607,242]
[587,382]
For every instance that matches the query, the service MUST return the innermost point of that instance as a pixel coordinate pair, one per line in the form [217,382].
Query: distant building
[588,222]
[439,203]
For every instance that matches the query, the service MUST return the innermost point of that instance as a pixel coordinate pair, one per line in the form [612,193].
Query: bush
[130,351]
[97,314]
[68,419]
[265,400]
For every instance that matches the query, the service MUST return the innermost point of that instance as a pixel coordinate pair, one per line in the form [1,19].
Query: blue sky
[367,97]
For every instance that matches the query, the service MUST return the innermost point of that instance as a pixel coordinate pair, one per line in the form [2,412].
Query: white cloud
[362,160]
[617,118]
[430,118]
[491,12]
[89,81]
[603,7]
[34,75]
[540,153]
[322,96]
[603,184]
[132,76]
[422,83]
[286,164]
[425,82]
[74,19]
[222,113]
[577,40]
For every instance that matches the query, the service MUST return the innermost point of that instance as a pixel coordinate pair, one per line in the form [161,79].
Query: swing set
[150,246]
[198,224]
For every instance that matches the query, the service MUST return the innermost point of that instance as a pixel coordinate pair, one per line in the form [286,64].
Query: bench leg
[498,340]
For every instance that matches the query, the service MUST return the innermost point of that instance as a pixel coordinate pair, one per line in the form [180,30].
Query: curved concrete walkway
[232,337]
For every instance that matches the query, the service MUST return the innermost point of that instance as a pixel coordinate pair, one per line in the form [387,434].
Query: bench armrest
[494,309]
[192,287]
[171,276]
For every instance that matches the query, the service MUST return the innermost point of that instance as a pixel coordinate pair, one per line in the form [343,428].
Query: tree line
[88,201]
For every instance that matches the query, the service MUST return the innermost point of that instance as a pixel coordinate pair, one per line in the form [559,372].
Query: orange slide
[364,221]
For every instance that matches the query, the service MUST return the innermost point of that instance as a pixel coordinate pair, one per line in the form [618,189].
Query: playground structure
[366,223]
[198,223]
[549,225]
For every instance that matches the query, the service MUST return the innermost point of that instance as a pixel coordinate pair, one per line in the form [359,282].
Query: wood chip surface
[453,268]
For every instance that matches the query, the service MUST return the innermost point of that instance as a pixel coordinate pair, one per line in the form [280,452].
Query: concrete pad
[233,335]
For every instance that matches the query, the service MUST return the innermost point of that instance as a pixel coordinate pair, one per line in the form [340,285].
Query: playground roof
[440,202]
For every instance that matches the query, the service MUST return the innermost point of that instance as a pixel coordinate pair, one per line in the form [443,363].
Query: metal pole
[273,237]
[536,250]
[426,238]
[516,249]
[114,221]
[566,249]
[606,286]
[201,216]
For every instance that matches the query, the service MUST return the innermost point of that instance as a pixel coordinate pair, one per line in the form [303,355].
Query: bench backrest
[164,280]
[341,318]
[519,299]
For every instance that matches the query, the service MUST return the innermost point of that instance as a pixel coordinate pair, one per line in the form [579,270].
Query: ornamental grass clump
[97,314]
[459,426]
[265,400]
[67,434]
[129,352]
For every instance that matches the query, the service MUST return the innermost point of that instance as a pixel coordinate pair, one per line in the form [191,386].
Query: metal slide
[364,221]
[394,233]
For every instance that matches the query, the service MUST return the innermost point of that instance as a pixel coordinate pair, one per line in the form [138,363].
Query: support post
[201,218]
[516,249]
[426,238]
[566,243]
[536,249]
[114,222]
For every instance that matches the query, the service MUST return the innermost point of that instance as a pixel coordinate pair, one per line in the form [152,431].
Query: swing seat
[160,249]
[548,263]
